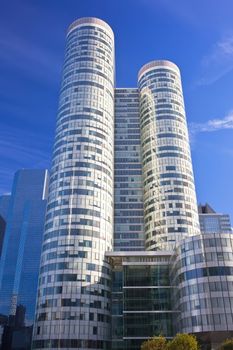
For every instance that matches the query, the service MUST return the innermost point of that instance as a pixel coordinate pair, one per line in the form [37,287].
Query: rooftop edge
[157,63]
[89,20]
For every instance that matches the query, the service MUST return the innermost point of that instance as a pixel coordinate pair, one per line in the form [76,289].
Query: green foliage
[183,342]
[227,345]
[155,343]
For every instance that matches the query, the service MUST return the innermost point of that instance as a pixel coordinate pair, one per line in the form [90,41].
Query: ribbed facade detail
[170,208]
[202,278]
[122,256]
[128,189]
[73,307]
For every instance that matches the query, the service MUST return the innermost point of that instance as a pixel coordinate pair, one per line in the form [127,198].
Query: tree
[227,345]
[183,342]
[155,343]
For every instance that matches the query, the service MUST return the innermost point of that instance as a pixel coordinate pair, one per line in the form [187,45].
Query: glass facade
[215,223]
[202,277]
[128,190]
[141,298]
[121,199]
[73,309]
[22,243]
[170,208]
[212,222]
[188,290]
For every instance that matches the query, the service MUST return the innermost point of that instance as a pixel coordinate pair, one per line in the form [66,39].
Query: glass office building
[22,242]
[121,202]
[186,290]
[128,186]
[170,207]
[212,222]
[202,279]
[141,298]
[73,309]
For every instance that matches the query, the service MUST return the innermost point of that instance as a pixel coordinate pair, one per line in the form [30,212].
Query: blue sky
[197,35]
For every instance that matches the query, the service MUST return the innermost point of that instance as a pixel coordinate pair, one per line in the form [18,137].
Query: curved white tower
[73,309]
[170,208]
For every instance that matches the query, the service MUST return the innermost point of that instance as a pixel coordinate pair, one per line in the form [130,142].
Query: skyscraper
[170,207]
[22,243]
[128,185]
[73,309]
[212,222]
[155,201]
[201,277]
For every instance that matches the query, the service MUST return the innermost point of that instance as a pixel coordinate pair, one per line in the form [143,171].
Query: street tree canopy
[155,343]
[183,342]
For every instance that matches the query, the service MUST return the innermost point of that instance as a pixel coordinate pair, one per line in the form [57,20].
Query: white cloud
[212,125]
[218,62]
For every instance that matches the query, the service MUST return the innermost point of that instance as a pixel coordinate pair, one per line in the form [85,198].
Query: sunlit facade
[202,279]
[170,206]
[121,206]
[212,222]
[73,309]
